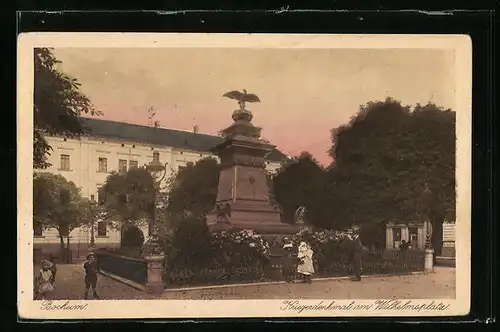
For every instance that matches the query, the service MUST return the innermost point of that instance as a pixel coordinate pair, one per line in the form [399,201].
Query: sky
[304,93]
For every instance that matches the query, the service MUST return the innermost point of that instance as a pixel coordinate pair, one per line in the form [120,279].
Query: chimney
[195,129]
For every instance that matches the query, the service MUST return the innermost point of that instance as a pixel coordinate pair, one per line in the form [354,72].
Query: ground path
[441,284]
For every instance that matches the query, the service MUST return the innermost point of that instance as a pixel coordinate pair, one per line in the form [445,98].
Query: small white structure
[412,232]
[415,234]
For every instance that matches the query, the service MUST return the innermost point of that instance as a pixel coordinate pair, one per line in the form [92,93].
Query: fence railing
[392,263]
[134,269]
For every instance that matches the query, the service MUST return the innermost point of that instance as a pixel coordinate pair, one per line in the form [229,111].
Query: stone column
[155,268]
[404,233]
[429,260]
[421,237]
[388,237]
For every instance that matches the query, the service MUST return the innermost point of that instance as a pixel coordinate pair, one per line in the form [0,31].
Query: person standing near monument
[305,267]
[357,252]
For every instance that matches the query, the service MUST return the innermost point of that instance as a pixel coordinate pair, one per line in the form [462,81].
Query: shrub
[196,256]
[132,237]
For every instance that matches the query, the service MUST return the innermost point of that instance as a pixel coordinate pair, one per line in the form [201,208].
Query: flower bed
[243,257]
[225,258]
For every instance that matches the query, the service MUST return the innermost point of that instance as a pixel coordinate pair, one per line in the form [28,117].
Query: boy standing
[91,270]
[288,266]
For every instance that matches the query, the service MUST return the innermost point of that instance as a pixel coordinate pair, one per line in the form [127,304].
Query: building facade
[415,234]
[110,146]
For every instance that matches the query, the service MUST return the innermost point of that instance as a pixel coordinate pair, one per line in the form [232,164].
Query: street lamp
[153,250]
[425,208]
[426,197]
[158,172]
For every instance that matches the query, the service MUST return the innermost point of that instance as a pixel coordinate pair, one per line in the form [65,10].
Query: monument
[243,193]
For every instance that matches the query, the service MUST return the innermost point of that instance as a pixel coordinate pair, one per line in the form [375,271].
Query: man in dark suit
[357,252]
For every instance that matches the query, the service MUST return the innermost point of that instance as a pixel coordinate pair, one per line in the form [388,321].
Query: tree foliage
[57,203]
[383,159]
[193,189]
[298,183]
[57,104]
[129,195]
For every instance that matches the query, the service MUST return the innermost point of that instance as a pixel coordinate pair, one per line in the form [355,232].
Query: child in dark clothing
[288,266]
[91,270]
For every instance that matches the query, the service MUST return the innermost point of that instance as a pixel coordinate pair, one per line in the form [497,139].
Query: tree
[57,203]
[300,183]
[383,159]
[57,105]
[193,189]
[129,196]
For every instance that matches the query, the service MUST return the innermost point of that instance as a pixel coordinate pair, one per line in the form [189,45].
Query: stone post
[155,268]
[388,237]
[429,250]
[429,260]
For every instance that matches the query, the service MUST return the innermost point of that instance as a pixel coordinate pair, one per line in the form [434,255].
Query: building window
[64,164]
[101,228]
[122,165]
[134,164]
[101,196]
[103,164]
[37,228]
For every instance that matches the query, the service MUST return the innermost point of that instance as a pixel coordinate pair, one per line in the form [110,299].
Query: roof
[160,136]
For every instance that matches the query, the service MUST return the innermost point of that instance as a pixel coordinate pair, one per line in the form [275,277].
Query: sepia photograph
[272,175]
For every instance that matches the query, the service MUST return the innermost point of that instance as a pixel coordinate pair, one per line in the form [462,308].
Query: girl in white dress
[45,281]
[305,267]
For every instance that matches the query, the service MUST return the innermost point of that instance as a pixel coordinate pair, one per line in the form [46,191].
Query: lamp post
[429,250]
[153,251]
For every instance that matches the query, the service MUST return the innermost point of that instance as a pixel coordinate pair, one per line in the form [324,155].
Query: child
[44,281]
[305,267]
[91,270]
[288,266]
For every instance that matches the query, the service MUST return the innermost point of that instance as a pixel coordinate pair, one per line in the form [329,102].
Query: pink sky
[304,92]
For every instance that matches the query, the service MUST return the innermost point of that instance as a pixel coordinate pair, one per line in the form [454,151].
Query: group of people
[45,280]
[303,263]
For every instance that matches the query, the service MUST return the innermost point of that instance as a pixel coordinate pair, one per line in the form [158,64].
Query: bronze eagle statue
[242,97]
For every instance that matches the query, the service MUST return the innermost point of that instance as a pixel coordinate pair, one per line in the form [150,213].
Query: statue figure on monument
[300,215]
[242,97]
[223,212]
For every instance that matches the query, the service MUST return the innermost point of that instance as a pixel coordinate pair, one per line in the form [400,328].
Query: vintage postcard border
[242,308]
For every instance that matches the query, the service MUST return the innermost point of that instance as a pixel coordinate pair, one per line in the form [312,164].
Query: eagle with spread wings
[242,97]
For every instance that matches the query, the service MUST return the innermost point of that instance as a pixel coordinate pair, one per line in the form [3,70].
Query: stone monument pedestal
[243,194]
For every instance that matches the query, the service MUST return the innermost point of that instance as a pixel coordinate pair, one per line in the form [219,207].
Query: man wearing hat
[357,252]
[91,271]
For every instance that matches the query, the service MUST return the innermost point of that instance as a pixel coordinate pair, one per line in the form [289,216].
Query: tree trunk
[68,250]
[62,251]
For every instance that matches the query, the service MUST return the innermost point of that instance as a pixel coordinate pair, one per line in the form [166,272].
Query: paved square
[441,284]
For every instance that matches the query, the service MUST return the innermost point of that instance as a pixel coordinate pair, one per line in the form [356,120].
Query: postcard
[178,175]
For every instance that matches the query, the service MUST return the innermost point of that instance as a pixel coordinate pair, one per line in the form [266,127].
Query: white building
[114,146]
